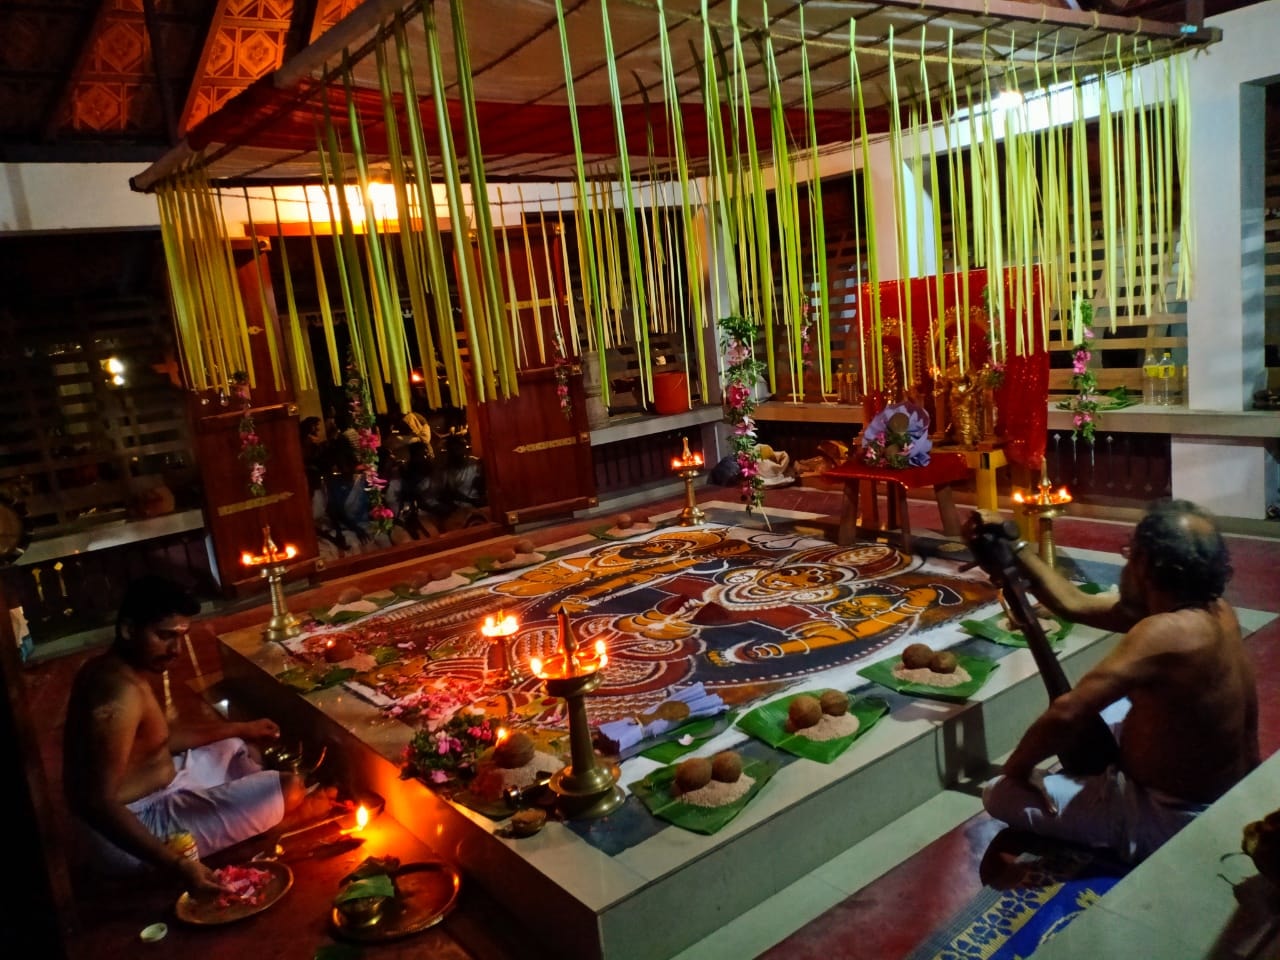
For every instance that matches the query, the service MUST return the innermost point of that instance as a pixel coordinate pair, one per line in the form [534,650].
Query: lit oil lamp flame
[270,553]
[500,735]
[362,817]
[687,459]
[574,661]
[503,625]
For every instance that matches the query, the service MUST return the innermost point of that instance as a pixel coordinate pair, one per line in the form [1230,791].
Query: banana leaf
[667,748]
[992,630]
[768,722]
[979,669]
[656,792]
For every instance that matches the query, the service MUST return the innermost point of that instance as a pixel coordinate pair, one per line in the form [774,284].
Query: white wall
[1225,323]
[72,196]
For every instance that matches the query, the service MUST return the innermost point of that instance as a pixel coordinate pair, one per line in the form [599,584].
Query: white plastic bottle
[1150,375]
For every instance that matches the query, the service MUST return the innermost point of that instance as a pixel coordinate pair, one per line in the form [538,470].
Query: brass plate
[427,891]
[204,911]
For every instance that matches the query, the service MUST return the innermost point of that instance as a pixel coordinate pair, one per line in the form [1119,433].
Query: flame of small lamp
[362,817]
[499,736]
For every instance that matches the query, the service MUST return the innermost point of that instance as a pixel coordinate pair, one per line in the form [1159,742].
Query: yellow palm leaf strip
[719,164]
[397,339]
[1164,173]
[301,367]
[919,234]
[1013,215]
[569,297]
[937,310]
[819,244]
[758,297]
[1143,149]
[995,219]
[322,296]
[651,229]
[956,173]
[856,214]
[535,290]
[1130,179]
[437,280]
[873,375]
[1081,194]
[484,381]
[388,326]
[513,298]
[1159,102]
[787,212]
[692,244]
[212,267]
[409,241]
[735,89]
[205,315]
[553,287]
[639,309]
[586,238]
[1186,230]
[977,193]
[354,290]
[498,331]
[214,228]
[191,342]
[900,224]
[610,264]
[1107,180]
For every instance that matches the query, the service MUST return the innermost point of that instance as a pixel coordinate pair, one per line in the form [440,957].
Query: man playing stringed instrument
[1177,691]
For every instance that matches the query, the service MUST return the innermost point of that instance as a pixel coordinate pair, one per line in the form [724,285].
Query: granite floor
[878,900]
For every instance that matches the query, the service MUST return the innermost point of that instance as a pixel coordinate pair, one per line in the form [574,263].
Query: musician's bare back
[1192,730]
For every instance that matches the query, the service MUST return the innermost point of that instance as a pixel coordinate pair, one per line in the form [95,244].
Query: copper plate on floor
[206,911]
[427,892]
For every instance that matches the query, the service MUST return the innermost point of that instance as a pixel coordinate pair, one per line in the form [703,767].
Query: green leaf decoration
[656,792]
[385,655]
[768,722]
[379,885]
[979,668]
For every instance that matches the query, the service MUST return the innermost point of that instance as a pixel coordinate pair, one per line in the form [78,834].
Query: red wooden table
[943,470]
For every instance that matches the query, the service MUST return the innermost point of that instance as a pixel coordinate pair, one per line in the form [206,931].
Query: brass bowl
[362,911]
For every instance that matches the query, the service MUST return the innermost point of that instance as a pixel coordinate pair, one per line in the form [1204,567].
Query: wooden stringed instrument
[1093,747]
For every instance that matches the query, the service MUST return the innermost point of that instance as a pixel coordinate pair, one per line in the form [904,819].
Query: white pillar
[1225,326]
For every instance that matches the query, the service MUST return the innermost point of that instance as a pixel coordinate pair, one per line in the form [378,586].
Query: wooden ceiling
[86,79]
[125,79]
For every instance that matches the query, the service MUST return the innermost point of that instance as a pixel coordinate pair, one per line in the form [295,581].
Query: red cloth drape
[1021,401]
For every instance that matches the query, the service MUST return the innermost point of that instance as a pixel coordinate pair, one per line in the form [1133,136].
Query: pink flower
[737,394]
[1088,333]
[439,776]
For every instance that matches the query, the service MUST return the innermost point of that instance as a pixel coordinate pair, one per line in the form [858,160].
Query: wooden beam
[73,69]
[216,13]
[151,21]
[301,22]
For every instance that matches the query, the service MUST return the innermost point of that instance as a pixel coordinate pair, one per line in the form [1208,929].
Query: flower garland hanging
[367,442]
[1084,405]
[742,372]
[563,368]
[252,450]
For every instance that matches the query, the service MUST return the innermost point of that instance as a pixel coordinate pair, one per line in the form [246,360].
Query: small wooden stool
[942,471]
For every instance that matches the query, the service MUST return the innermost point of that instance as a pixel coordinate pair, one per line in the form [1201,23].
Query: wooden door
[537,448]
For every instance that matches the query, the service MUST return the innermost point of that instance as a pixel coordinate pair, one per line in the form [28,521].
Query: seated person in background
[136,781]
[1178,692]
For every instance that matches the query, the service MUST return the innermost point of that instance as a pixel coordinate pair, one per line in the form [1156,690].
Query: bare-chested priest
[136,781]
[1178,691]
